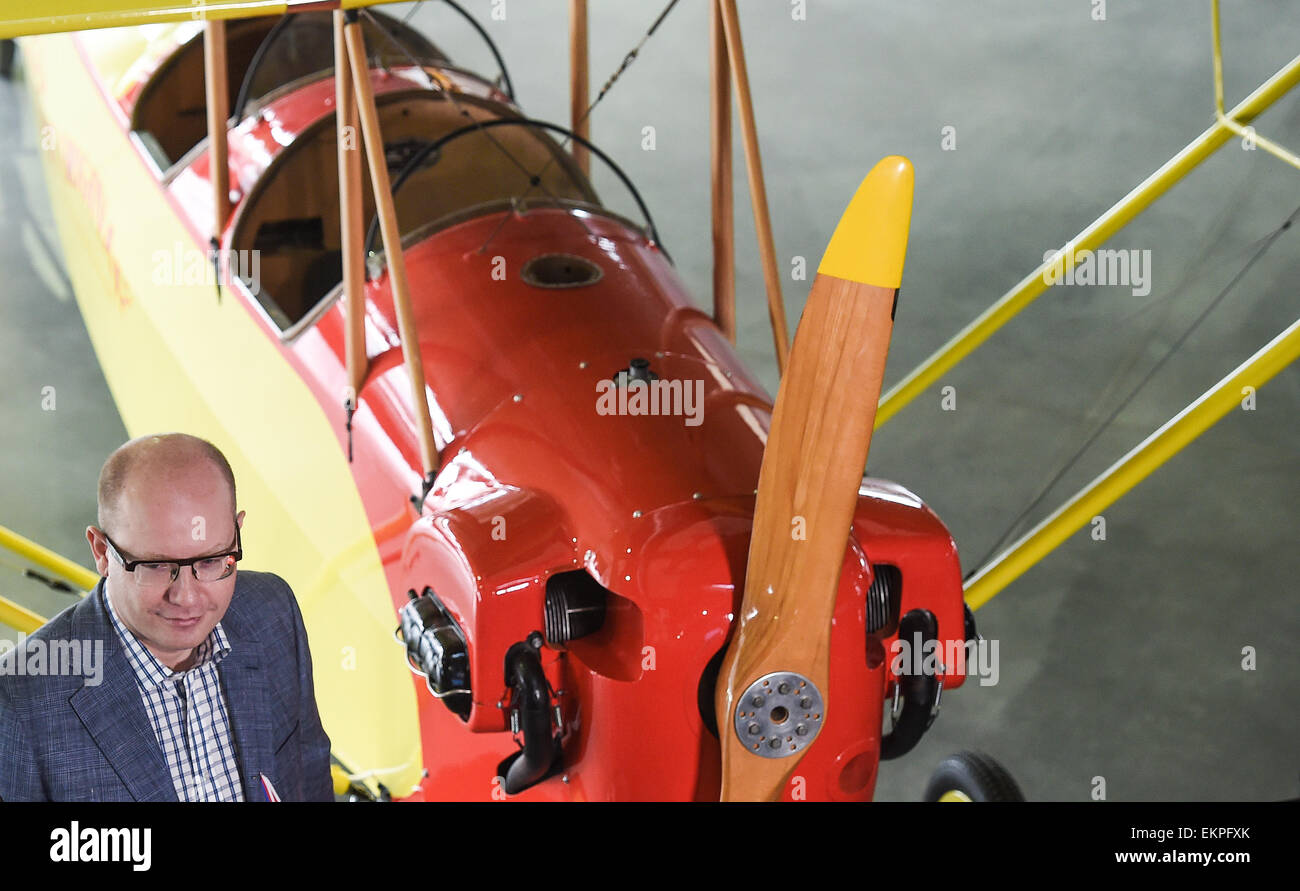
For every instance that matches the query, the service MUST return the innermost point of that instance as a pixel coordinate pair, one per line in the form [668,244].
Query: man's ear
[239,519]
[98,549]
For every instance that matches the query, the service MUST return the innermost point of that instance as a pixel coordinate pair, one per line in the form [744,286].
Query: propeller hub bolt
[757,701]
[801,730]
[753,729]
[783,689]
[805,703]
[775,744]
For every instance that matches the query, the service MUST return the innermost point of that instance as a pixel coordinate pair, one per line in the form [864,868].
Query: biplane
[511,590]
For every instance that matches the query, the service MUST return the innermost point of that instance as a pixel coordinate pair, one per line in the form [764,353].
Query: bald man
[205,689]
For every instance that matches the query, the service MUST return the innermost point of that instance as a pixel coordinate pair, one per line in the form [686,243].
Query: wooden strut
[724,232]
[354,41]
[350,213]
[757,190]
[578,82]
[217,89]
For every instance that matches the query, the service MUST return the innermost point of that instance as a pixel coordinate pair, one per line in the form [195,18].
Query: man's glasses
[155,574]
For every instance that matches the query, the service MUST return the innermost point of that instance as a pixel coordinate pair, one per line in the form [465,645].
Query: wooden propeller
[772,697]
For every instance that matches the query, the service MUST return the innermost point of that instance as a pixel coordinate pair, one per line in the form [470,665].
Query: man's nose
[185,590]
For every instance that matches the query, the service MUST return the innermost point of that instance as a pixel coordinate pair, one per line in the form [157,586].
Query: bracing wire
[1263,246]
[604,91]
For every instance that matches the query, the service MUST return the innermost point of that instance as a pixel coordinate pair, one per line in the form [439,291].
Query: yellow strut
[47,559]
[20,617]
[1032,286]
[1254,138]
[1134,467]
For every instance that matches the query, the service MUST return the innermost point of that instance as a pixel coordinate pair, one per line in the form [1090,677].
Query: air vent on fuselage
[560,271]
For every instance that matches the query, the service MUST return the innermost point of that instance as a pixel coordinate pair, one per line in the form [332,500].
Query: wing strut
[350,212]
[578,81]
[757,190]
[358,66]
[217,87]
[16,615]
[1137,465]
[724,230]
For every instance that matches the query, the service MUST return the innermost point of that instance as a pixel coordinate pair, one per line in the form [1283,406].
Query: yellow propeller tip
[870,241]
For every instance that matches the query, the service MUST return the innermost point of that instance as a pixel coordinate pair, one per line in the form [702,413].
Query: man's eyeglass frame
[130,565]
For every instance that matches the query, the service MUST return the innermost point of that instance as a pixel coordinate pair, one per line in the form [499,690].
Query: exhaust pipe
[530,714]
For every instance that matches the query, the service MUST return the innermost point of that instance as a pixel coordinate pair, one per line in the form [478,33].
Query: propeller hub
[779,714]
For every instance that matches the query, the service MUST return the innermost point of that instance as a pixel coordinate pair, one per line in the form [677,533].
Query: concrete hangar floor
[1119,658]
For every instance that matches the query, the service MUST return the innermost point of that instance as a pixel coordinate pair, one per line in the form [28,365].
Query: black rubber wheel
[6,58]
[975,776]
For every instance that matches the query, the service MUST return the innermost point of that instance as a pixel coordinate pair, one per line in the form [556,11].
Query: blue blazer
[63,739]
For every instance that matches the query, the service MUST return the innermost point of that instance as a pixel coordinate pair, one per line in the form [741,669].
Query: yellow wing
[22,17]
